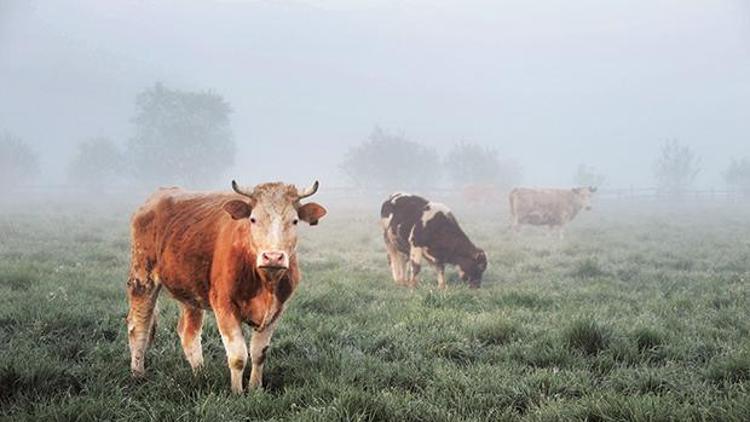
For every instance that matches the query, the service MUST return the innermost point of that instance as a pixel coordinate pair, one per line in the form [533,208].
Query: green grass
[634,316]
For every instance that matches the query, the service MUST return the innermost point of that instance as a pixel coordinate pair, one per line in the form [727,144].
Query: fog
[548,84]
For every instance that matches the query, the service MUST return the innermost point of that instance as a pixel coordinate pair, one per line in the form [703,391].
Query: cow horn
[309,191]
[240,190]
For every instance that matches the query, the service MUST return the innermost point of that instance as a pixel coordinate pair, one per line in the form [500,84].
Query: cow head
[583,196]
[472,267]
[273,211]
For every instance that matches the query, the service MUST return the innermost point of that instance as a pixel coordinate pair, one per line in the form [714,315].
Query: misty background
[548,86]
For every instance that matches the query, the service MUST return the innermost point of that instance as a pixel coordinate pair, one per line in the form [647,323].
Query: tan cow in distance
[547,207]
[232,253]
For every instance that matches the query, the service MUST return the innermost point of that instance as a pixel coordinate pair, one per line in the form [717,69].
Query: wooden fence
[73,193]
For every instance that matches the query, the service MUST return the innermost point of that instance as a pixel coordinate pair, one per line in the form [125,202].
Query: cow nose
[273,259]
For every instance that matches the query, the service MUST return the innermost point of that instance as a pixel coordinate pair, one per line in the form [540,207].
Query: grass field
[636,315]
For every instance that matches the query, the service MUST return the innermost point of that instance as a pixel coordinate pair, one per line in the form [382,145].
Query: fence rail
[471,193]
[688,194]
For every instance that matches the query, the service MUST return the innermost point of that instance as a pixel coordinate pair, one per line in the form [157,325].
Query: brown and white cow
[233,253]
[547,207]
[414,228]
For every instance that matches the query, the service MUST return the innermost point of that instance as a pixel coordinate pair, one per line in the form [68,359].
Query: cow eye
[295,221]
[252,220]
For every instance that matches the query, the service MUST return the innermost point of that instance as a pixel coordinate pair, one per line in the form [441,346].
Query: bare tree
[676,168]
[18,162]
[391,162]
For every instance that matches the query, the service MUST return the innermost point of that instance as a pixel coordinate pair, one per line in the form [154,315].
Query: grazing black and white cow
[414,228]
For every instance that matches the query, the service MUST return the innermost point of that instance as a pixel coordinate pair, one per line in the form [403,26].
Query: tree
[676,168]
[588,176]
[18,162]
[389,161]
[473,164]
[97,162]
[180,137]
[738,175]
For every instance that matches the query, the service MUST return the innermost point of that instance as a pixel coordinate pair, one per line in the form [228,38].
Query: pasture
[638,314]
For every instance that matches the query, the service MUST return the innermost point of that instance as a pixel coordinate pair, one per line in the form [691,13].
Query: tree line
[388,161]
[179,137]
[185,138]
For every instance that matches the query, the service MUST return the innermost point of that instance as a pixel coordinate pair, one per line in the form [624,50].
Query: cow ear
[238,209]
[311,213]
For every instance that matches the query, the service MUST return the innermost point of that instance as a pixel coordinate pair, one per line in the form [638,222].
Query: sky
[550,84]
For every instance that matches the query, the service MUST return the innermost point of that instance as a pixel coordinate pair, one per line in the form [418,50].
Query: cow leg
[404,268]
[515,226]
[396,260]
[142,296]
[189,329]
[415,261]
[441,276]
[258,349]
[234,344]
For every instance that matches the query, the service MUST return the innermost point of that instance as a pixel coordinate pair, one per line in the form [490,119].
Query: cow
[414,228]
[231,253]
[547,207]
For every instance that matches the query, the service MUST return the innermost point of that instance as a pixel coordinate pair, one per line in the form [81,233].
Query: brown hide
[188,243]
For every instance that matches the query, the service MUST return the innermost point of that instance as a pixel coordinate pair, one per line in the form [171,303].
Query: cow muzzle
[273,260]
[273,264]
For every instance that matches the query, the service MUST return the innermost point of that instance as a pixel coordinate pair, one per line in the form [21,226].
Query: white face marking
[273,231]
[434,209]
